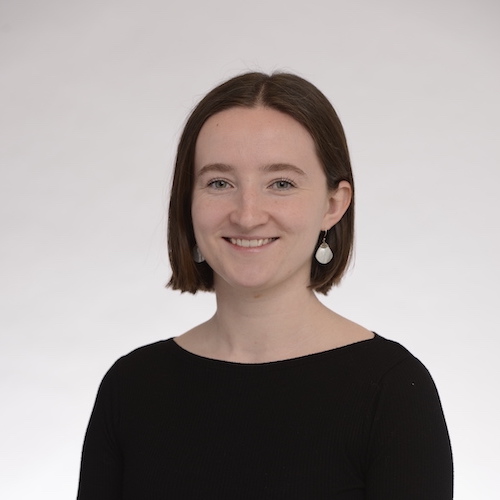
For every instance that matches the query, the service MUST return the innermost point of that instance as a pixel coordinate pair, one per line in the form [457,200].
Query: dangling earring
[324,253]
[197,255]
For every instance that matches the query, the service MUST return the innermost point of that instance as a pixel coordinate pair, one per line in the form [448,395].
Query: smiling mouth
[250,243]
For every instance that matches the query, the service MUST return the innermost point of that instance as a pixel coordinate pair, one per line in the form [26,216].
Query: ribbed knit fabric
[360,422]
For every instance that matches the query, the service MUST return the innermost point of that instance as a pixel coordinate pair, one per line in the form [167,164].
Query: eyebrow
[215,167]
[280,167]
[273,167]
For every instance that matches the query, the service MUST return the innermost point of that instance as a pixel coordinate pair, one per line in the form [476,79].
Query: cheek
[307,216]
[197,218]
[199,221]
[205,216]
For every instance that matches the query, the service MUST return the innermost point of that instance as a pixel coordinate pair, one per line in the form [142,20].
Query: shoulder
[397,376]
[386,361]
[409,451]
[402,388]
[145,361]
[379,351]
[148,352]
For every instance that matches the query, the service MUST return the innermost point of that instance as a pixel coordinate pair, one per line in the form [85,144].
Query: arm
[410,454]
[101,467]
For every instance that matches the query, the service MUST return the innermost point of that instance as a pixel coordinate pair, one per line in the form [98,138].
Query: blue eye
[218,184]
[283,184]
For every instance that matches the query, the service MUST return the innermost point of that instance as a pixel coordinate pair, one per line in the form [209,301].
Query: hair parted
[302,101]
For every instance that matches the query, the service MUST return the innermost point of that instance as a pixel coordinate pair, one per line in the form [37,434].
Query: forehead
[260,134]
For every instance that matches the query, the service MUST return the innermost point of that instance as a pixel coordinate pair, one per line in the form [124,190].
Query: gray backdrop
[92,98]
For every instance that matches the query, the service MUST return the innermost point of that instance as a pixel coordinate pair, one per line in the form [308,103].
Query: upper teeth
[250,243]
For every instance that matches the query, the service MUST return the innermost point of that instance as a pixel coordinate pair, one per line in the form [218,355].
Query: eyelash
[289,184]
[212,184]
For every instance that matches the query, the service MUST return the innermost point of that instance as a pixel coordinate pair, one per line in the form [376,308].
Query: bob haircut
[297,98]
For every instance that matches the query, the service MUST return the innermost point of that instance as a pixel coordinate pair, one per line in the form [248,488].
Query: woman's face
[260,199]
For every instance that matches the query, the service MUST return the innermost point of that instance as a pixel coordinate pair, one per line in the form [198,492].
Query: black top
[362,421]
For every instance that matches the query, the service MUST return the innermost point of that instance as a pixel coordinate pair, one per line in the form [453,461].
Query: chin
[242,284]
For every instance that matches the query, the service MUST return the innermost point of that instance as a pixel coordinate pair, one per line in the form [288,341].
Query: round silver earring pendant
[324,253]
[197,255]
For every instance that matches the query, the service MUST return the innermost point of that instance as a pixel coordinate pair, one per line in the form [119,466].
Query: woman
[275,396]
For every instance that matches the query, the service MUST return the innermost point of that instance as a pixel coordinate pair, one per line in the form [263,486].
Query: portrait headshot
[249,251]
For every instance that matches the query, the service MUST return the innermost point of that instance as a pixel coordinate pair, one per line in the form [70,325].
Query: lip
[250,243]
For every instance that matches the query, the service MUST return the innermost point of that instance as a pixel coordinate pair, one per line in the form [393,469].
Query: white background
[93,96]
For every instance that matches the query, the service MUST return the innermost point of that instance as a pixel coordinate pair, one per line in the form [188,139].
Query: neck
[280,323]
[257,327]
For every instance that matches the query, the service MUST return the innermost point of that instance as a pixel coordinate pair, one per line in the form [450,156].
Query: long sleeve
[101,467]
[410,454]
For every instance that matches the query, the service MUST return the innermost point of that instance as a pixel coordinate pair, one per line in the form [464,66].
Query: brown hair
[302,101]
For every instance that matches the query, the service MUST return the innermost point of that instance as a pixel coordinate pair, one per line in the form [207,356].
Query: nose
[249,210]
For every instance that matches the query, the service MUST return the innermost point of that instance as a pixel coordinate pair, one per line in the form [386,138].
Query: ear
[338,202]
